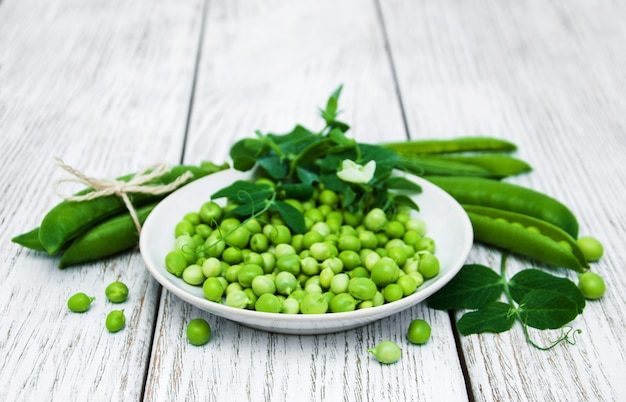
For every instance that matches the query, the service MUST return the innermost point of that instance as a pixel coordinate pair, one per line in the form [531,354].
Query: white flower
[354,173]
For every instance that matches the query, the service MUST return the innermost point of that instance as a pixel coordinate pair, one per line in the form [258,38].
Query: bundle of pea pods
[504,215]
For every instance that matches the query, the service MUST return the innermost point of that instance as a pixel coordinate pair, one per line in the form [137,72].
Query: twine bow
[106,187]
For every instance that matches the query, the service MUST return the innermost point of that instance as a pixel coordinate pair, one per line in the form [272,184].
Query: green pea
[115,321]
[375,220]
[290,306]
[429,266]
[591,248]
[289,263]
[362,288]
[392,292]
[386,352]
[339,283]
[211,267]
[193,275]
[342,302]
[425,244]
[79,302]
[286,283]
[259,242]
[213,289]
[237,299]
[416,225]
[232,255]
[328,197]
[314,303]
[116,292]
[408,284]
[277,234]
[198,332]
[184,227]
[253,225]
[203,230]
[252,298]
[175,262]
[192,217]
[247,273]
[310,266]
[262,284]
[359,272]
[418,332]
[268,303]
[394,229]
[349,242]
[591,285]
[210,213]
[385,271]
[368,239]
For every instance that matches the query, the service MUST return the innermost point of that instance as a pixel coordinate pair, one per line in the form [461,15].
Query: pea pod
[428,166]
[29,240]
[68,219]
[498,165]
[527,236]
[443,146]
[105,239]
[508,197]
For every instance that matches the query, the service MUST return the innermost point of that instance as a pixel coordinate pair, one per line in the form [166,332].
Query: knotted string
[106,187]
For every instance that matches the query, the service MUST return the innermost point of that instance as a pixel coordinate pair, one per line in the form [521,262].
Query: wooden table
[114,86]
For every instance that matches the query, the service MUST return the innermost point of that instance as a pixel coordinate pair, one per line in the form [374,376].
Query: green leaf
[300,191]
[532,279]
[473,287]
[306,176]
[241,191]
[245,152]
[292,217]
[402,183]
[546,309]
[496,317]
[404,200]
[274,166]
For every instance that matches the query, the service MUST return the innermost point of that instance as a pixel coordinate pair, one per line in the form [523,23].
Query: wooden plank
[549,77]
[106,87]
[268,66]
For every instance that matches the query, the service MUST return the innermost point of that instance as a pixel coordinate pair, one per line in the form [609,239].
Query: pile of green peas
[343,261]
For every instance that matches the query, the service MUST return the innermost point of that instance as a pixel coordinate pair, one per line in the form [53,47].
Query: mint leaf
[474,286]
[546,309]
[292,217]
[495,317]
[533,279]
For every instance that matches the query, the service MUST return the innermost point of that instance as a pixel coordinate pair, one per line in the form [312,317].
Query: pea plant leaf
[293,218]
[495,317]
[533,279]
[546,309]
[402,183]
[473,287]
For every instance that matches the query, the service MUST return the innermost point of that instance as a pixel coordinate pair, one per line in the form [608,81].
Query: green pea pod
[499,166]
[429,166]
[508,197]
[105,239]
[30,240]
[527,236]
[453,145]
[68,219]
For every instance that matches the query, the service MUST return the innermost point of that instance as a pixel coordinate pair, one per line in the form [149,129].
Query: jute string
[106,187]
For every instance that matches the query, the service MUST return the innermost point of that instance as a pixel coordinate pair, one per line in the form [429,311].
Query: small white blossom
[354,173]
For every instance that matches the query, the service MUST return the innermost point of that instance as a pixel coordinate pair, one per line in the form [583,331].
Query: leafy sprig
[302,158]
[533,297]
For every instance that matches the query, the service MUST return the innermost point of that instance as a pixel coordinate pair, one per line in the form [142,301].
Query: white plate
[446,222]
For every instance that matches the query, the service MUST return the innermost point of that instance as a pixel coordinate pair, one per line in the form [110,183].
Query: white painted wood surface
[114,86]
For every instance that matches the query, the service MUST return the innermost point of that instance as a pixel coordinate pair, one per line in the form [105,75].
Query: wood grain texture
[106,87]
[253,77]
[113,86]
[549,77]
